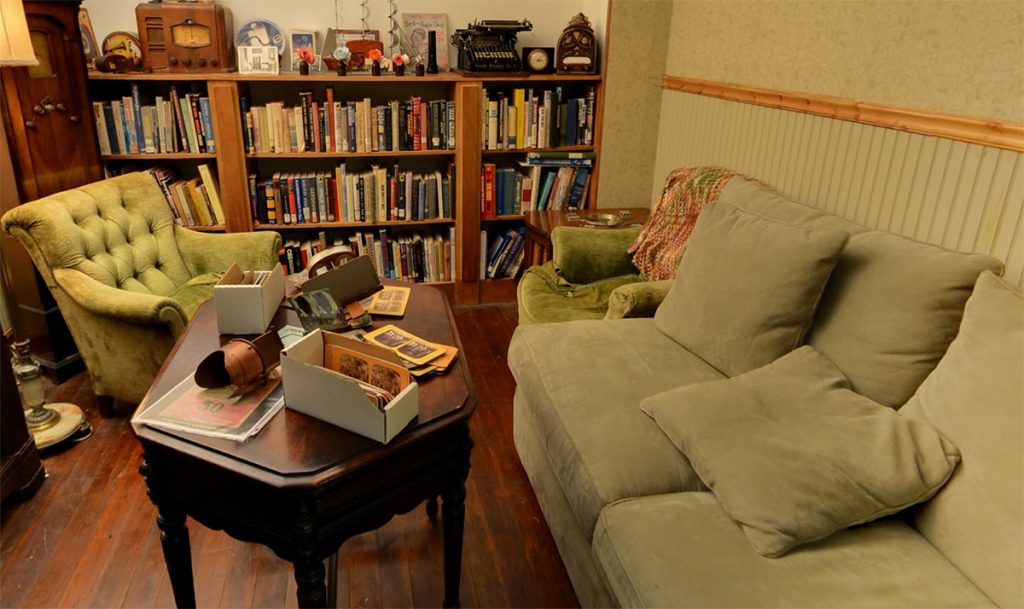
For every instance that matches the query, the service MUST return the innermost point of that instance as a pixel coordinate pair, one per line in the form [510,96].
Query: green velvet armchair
[590,276]
[126,278]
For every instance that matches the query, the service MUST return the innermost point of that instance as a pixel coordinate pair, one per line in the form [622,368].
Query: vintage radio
[185,36]
[490,45]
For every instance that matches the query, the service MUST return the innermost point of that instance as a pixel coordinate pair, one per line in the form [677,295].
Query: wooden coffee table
[303,486]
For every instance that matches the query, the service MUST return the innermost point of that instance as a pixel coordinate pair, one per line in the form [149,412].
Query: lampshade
[15,43]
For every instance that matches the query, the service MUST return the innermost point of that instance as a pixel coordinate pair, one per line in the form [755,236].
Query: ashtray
[601,219]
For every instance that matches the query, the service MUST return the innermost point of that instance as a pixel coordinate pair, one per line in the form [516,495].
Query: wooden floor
[89,539]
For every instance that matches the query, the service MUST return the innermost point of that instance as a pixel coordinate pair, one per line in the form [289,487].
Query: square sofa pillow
[747,287]
[794,455]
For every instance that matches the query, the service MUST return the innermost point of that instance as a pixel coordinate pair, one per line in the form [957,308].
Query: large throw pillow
[747,287]
[891,309]
[794,455]
[976,397]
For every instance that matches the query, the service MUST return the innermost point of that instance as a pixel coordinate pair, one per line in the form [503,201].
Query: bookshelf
[234,162]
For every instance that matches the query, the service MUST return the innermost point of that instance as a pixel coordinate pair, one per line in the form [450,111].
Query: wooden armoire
[50,146]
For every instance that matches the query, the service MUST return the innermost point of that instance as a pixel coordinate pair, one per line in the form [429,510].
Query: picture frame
[336,38]
[303,40]
[415,27]
[89,45]
[258,60]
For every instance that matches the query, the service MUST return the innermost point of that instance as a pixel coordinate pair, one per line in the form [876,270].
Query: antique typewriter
[490,45]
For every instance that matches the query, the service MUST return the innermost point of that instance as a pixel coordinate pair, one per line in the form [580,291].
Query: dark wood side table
[539,225]
[303,486]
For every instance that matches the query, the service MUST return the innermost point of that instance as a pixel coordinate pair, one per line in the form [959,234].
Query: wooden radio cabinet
[183,36]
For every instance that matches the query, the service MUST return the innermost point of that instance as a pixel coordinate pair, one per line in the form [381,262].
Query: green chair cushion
[976,397]
[196,291]
[747,287]
[581,383]
[794,455]
[545,297]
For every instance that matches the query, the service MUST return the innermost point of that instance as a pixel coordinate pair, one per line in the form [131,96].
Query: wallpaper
[958,56]
[637,50]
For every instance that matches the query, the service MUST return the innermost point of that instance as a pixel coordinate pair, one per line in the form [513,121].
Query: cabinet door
[53,137]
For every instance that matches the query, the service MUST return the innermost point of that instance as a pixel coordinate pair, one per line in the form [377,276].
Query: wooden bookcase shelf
[234,163]
[323,225]
[161,156]
[350,155]
[527,150]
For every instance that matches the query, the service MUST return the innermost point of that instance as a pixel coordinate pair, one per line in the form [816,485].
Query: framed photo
[303,41]
[258,60]
[416,26]
[89,46]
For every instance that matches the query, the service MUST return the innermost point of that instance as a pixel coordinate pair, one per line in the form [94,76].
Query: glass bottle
[30,385]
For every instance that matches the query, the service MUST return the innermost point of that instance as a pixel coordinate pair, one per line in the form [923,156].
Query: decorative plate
[260,33]
[601,219]
[122,43]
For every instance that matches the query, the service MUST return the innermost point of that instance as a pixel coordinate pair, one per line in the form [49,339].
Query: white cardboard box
[311,389]
[247,308]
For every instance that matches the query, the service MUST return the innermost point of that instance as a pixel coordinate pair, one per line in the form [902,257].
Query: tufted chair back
[126,279]
[119,232]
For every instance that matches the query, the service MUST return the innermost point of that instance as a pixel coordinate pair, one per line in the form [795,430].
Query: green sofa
[636,526]
[126,278]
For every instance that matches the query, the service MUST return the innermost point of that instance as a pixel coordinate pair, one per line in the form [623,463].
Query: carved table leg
[309,576]
[309,568]
[453,517]
[177,554]
[170,519]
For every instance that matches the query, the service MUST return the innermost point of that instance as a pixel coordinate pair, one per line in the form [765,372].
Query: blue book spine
[545,191]
[108,118]
[514,248]
[578,184]
[300,201]
[207,120]
[246,133]
[499,192]
[574,117]
[137,110]
[351,126]
[422,198]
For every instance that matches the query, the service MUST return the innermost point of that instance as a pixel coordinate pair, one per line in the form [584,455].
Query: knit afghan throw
[660,244]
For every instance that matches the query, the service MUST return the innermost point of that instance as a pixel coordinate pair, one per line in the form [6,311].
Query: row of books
[503,257]
[176,124]
[532,186]
[193,202]
[421,256]
[353,126]
[380,194]
[528,118]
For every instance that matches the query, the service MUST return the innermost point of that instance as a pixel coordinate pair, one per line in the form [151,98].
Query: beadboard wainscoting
[963,196]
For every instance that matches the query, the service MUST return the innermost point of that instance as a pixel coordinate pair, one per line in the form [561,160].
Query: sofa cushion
[892,305]
[747,287]
[683,550]
[793,455]
[581,382]
[890,311]
[545,297]
[976,397]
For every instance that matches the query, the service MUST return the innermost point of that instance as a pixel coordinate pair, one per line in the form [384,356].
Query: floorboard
[89,539]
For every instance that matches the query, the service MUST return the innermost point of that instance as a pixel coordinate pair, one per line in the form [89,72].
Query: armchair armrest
[637,299]
[585,255]
[214,252]
[120,305]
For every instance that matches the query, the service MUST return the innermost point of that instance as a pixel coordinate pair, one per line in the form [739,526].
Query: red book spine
[291,200]
[331,144]
[417,110]
[489,190]
[315,111]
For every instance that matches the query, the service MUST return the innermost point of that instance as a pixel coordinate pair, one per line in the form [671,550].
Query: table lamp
[53,423]
[15,42]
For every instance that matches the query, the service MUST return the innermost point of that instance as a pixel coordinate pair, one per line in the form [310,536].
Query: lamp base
[71,418]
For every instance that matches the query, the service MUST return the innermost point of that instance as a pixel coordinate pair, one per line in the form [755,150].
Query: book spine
[136,110]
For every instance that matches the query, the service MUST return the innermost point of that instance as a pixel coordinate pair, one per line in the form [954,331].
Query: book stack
[529,118]
[176,124]
[354,126]
[547,180]
[193,202]
[406,257]
[381,194]
[504,256]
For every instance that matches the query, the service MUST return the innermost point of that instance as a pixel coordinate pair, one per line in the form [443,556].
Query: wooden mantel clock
[577,48]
